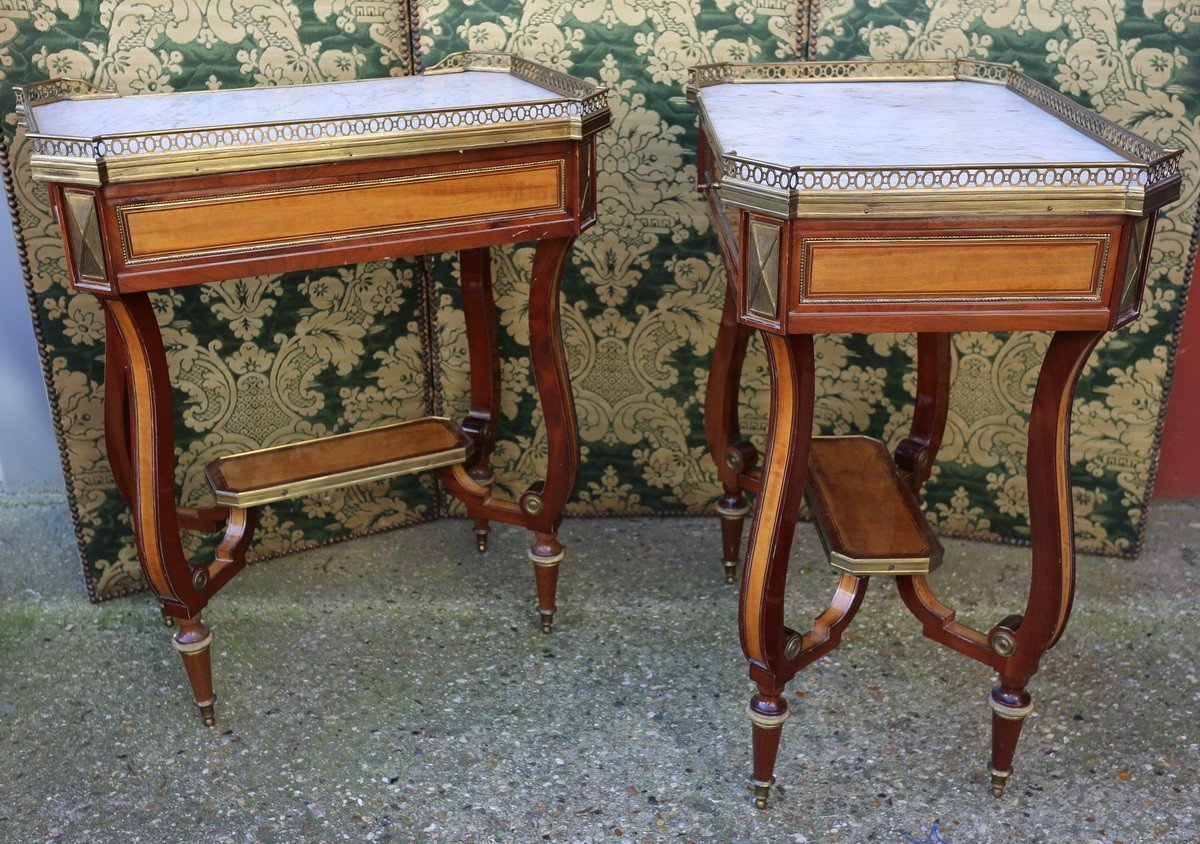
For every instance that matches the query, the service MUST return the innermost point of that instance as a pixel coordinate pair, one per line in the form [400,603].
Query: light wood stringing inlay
[260,220]
[950,268]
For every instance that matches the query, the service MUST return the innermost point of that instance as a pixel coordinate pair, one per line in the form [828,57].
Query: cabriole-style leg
[1022,641]
[764,637]
[729,451]
[479,312]
[544,501]
[141,438]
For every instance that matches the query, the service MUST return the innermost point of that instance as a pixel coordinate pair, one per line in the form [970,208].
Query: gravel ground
[397,688]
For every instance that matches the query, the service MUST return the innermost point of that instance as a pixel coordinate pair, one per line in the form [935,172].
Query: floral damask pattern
[1138,64]
[644,286]
[266,360]
[255,362]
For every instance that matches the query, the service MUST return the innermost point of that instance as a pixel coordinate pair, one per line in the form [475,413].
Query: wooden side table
[931,197]
[166,191]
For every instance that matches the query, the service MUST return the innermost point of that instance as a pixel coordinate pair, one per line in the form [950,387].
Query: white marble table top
[286,104]
[891,124]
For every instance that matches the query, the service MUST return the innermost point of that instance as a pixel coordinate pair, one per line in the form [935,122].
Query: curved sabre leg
[729,451]
[915,454]
[1022,641]
[785,463]
[479,311]
[149,438]
[732,454]
[543,503]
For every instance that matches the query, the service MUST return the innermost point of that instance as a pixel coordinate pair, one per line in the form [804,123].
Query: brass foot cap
[999,781]
[208,713]
[730,572]
[762,791]
[547,621]
[481,537]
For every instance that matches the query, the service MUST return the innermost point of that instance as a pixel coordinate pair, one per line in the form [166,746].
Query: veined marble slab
[892,124]
[285,104]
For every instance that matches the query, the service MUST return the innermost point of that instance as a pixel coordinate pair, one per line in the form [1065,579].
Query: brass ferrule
[539,560]
[192,647]
[733,512]
[1011,713]
[768,722]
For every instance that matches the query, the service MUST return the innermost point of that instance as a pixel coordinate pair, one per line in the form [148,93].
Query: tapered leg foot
[732,509]
[546,554]
[768,713]
[192,640]
[482,529]
[1010,708]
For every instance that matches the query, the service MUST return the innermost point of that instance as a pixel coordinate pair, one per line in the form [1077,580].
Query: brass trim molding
[1119,187]
[891,566]
[333,480]
[573,110]
[732,512]
[550,561]
[806,262]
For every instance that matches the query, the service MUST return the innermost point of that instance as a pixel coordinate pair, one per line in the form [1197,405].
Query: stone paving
[398,688]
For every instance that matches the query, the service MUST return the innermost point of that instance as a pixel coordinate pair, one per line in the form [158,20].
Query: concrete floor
[398,688]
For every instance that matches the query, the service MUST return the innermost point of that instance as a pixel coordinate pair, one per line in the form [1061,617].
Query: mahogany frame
[138,408]
[1015,646]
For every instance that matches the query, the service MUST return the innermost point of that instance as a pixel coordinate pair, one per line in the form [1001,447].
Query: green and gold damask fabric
[267,360]
[1138,64]
[644,287]
[256,362]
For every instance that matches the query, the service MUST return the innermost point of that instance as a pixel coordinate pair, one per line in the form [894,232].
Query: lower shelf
[291,471]
[868,519]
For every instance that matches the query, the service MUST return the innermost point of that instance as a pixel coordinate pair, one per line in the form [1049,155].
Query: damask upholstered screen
[267,360]
[645,285]
[255,362]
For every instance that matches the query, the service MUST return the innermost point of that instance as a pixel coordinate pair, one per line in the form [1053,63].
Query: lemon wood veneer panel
[932,268]
[262,219]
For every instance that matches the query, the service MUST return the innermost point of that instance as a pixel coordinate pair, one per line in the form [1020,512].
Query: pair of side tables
[926,197]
